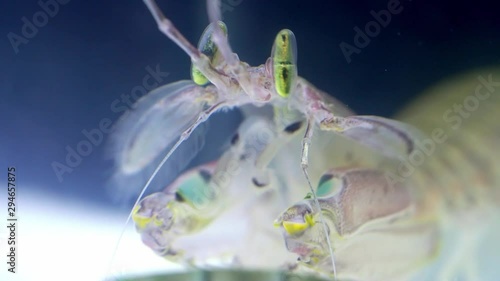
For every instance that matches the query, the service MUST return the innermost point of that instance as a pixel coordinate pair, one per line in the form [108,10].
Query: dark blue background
[65,78]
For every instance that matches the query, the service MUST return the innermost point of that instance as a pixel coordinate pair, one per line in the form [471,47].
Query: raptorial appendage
[184,208]
[369,223]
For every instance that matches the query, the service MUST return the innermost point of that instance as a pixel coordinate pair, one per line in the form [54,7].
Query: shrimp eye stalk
[284,62]
[208,47]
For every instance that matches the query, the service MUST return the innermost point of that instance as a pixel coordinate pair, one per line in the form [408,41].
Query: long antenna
[305,164]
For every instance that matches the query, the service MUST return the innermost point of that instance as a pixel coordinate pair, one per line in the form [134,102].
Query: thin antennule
[305,164]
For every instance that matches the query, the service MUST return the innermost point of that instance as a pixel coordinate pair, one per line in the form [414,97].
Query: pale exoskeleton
[344,149]
[221,213]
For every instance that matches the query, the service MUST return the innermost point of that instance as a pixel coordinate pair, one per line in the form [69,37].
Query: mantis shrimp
[394,200]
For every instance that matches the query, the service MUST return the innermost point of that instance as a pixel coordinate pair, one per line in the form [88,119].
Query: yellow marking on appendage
[140,221]
[297,227]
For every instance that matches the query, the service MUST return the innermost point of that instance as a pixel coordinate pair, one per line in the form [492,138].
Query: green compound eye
[284,57]
[209,48]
